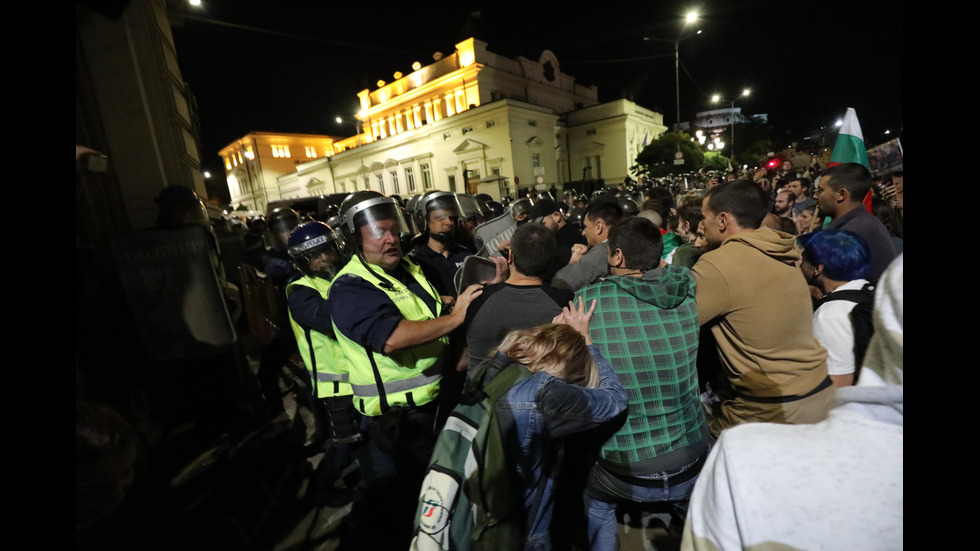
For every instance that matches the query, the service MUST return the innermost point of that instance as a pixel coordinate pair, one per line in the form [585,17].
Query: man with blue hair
[835,262]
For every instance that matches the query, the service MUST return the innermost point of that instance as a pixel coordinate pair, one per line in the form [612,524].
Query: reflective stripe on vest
[404,377]
[321,353]
[396,386]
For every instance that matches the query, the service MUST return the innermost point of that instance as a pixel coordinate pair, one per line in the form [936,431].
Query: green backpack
[467,500]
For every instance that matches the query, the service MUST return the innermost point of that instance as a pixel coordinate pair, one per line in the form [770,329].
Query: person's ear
[616,258]
[510,256]
[723,222]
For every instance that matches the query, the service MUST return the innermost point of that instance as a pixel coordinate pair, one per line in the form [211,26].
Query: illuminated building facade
[472,122]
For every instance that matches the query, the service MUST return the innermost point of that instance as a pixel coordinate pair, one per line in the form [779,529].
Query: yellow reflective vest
[407,377]
[323,357]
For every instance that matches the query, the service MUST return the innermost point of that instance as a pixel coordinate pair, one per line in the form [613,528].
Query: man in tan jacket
[755,301]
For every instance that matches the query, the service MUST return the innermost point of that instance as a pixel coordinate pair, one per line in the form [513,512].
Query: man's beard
[446,238]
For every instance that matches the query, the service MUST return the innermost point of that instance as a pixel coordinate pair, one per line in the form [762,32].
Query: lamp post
[341,120]
[691,17]
[716,98]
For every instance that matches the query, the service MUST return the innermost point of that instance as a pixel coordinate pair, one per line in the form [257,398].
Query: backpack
[861,319]
[468,501]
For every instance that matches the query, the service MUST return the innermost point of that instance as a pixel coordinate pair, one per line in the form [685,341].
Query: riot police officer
[317,252]
[389,322]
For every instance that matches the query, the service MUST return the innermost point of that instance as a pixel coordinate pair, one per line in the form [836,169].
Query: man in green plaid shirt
[646,324]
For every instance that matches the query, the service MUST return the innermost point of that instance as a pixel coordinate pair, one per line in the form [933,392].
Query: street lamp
[357,128]
[691,17]
[716,98]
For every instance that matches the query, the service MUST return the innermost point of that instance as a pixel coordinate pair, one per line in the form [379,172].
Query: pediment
[591,146]
[469,145]
[534,141]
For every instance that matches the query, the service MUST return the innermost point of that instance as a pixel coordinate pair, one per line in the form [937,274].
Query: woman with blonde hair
[572,389]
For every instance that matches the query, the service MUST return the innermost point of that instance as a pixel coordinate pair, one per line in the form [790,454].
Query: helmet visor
[470,206]
[380,216]
[448,203]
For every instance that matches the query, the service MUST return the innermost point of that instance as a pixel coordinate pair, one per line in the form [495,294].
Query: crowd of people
[674,332]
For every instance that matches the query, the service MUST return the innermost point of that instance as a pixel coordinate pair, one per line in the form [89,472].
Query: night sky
[293,66]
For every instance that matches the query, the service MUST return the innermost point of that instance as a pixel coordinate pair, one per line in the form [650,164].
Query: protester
[588,263]
[522,301]
[646,325]
[573,389]
[752,296]
[836,484]
[840,195]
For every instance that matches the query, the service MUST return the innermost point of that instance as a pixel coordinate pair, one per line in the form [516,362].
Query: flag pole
[816,216]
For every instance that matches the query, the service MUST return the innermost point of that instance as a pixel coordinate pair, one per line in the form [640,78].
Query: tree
[657,158]
[753,142]
[714,161]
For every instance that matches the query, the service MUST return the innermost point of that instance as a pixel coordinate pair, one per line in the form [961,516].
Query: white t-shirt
[832,328]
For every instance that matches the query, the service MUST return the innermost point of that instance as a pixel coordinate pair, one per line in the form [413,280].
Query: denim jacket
[534,415]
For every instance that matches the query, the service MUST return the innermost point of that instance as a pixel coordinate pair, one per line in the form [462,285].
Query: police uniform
[314,335]
[367,307]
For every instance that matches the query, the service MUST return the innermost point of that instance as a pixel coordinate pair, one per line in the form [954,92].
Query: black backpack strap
[865,295]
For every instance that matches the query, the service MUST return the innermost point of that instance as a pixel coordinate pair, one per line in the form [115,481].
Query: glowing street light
[691,17]
[357,128]
[716,98]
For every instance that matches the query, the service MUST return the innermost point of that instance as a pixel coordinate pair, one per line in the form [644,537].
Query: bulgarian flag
[850,148]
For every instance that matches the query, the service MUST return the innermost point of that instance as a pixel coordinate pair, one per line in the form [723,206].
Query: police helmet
[521,209]
[432,201]
[576,216]
[628,205]
[472,208]
[367,208]
[308,242]
[281,221]
[496,209]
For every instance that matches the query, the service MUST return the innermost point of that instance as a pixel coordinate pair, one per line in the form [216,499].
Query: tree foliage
[753,142]
[714,161]
[657,158]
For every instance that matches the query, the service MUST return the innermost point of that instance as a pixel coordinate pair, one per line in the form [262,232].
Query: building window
[490,124]
[590,132]
[381,184]
[227,163]
[426,177]
[532,123]
[535,160]
[598,166]
[452,183]
[310,152]
[249,154]
[394,182]
[447,136]
[467,130]
[280,151]
[410,179]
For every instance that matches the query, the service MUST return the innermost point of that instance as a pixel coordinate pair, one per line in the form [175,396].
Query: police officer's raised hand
[464,299]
